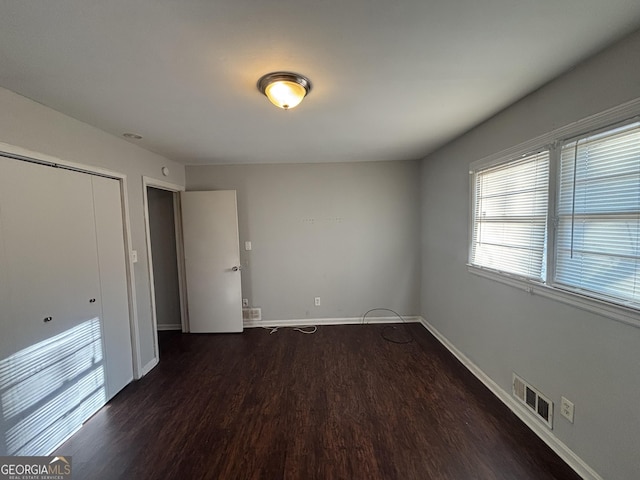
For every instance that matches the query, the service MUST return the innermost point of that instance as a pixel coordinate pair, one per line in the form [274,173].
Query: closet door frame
[24,154]
[177,215]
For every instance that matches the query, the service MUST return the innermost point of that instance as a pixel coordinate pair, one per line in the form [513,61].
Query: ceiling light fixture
[284,89]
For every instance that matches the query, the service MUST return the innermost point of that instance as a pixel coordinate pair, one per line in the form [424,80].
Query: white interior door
[212,261]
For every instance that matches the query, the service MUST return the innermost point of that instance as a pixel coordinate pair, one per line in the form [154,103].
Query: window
[510,216]
[590,185]
[598,212]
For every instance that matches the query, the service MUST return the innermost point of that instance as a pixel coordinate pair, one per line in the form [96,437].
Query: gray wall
[348,233]
[27,124]
[592,360]
[165,263]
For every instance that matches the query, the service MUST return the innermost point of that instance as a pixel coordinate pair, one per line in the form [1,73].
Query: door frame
[19,153]
[175,189]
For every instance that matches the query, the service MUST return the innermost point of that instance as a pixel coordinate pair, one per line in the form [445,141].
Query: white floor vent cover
[253,314]
[540,405]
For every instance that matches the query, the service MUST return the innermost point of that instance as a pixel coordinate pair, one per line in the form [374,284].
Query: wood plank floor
[340,404]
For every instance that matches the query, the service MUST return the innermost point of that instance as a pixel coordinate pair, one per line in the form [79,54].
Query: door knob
[236,268]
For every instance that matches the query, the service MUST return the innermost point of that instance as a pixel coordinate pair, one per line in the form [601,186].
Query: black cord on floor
[401,341]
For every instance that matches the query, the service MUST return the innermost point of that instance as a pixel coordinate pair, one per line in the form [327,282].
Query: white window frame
[627,313]
[474,177]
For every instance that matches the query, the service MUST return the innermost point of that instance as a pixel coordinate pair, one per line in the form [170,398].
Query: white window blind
[510,216]
[598,210]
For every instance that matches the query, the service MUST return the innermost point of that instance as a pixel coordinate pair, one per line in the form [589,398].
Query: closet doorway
[164,248]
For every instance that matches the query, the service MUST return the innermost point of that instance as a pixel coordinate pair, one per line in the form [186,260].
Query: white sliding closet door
[113,283]
[63,301]
[51,355]
[49,244]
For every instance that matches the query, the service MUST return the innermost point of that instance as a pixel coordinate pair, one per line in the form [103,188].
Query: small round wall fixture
[284,89]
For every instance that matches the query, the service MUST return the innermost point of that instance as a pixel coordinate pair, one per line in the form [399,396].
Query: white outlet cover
[247,246]
[317,301]
[566,409]
[245,302]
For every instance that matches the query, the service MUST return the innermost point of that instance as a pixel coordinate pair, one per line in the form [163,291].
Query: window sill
[620,313]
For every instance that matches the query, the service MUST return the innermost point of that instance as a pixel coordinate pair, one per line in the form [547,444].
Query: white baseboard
[149,366]
[564,452]
[307,322]
[169,326]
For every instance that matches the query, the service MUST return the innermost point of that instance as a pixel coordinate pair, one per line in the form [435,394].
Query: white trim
[169,326]
[149,366]
[552,198]
[307,322]
[162,185]
[598,120]
[473,198]
[182,273]
[24,154]
[171,187]
[587,302]
[564,452]
[133,302]
[20,153]
[152,293]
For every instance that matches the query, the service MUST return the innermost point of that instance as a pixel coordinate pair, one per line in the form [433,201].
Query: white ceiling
[392,80]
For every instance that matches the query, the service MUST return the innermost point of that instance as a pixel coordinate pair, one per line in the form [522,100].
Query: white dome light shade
[285,90]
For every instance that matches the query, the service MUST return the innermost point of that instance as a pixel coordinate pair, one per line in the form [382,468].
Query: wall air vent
[531,398]
[252,314]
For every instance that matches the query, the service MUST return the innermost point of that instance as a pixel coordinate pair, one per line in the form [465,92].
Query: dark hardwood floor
[340,404]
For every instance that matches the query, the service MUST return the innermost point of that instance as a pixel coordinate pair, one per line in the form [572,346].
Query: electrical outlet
[245,302]
[316,301]
[566,409]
